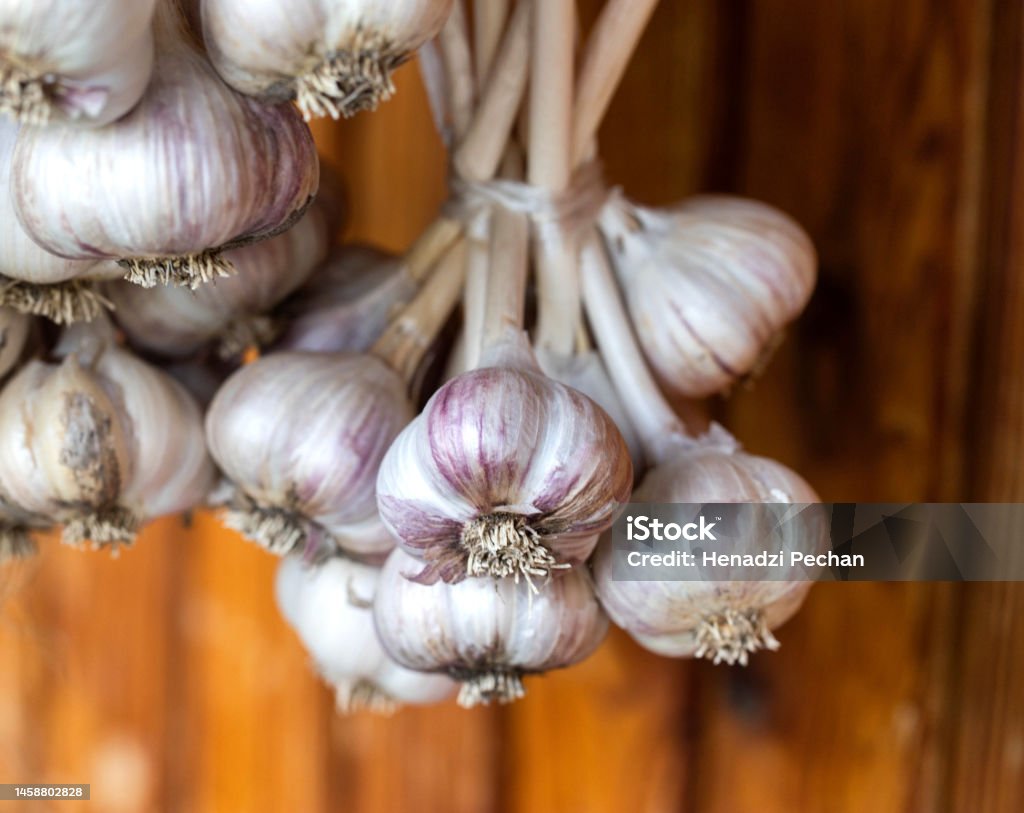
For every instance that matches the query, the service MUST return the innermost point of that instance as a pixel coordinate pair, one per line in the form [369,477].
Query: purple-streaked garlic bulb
[334,57]
[710,283]
[330,606]
[15,330]
[347,303]
[506,472]
[67,60]
[721,620]
[33,280]
[100,441]
[301,436]
[193,170]
[486,633]
[176,322]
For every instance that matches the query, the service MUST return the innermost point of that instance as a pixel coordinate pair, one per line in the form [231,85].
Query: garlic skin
[334,57]
[100,442]
[348,303]
[235,171]
[710,283]
[65,60]
[15,329]
[176,322]
[330,606]
[486,633]
[302,435]
[506,472]
[724,621]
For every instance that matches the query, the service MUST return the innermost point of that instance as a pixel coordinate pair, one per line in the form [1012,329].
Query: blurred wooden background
[893,132]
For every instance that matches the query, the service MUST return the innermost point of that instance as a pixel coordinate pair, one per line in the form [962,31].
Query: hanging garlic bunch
[348,302]
[193,170]
[176,322]
[301,436]
[15,329]
[331,608]
[506,472]
[100,441]
[710,283]
[33,280]
[69,60]
[720,620]
[486,633]
[334,57]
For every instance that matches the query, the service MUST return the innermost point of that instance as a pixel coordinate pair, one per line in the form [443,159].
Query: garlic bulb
[100,442]
[719,620]
[65,59]
[331,608]
[301,435]
[486,633]
[33,280]
[193,170]
[710,283]
[505,473]
[176,322]
[347,303]
[15,329]
[334,57]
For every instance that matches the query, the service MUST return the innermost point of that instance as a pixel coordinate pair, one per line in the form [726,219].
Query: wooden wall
[894,133]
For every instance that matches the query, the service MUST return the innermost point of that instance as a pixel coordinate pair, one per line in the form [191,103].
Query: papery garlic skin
[15,329]
[176,322]
[486,633]
[193,170]
[720,620]
[348,303]
[334,57]
[86,62]
[710,283]
[330,606]
[506,472]
[302,435]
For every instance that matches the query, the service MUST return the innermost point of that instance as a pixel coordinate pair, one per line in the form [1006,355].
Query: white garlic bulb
[100,442]
[70,60]
[710,283]
[505,473]
[348,302]
[334,57]
[15,330]
[176,322]
[193,170]
[301,435]
[720,620]
[486,633]
[33,280]
[331,608]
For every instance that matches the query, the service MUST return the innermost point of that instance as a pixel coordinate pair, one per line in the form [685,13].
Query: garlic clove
[487,634]
[724,621]
[335,58]
[63,60]
[236,171]
[710,283]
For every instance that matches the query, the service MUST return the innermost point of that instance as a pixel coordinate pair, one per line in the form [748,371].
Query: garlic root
[64,302]
[190,270]
[277,530]
[108,527]
[502,544]
[350,80]
[363,695]
[245,332]
[730,636]
[23,97]
[15,543]
[483,688]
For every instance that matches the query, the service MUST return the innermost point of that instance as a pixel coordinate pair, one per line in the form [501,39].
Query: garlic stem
[409,336]
[654,419]
[474,297]
[550,168]
[435,81]
[480,151]
[611,44]
[506,280]
[458,63]
[489,17]
[438,238]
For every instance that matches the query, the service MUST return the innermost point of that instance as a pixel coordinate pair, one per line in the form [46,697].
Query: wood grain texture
[893,132]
